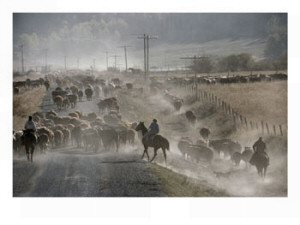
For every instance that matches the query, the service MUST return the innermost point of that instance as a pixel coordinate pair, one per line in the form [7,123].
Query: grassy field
[265,101]
[177,185]
[26,103]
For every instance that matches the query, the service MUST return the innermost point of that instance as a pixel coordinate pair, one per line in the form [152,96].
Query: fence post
[246,122]
[234,120]
[267,128]
[241,118]
[280,128]
[274,129]
[262,127]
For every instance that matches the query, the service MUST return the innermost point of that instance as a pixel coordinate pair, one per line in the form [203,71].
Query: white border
[147,210]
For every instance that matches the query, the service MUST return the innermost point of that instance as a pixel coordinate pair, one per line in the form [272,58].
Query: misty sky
[87,35]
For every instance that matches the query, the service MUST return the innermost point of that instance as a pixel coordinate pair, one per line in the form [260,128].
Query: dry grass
[32,76]
[177,185]
[26,103]
[265,101]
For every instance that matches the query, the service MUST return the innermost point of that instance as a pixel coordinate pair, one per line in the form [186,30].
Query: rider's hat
[154,120]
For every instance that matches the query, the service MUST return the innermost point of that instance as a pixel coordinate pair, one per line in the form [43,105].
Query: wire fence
[240,121]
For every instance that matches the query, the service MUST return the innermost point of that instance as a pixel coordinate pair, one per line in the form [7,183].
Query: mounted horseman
[260,158]
[29,138]
[152,139]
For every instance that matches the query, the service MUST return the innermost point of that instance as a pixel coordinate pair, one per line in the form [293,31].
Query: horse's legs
[31,155]
[265,171]
[165,155]
[155,153]
[27,152]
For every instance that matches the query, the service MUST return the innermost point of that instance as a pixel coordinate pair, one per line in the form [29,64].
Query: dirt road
[75,173]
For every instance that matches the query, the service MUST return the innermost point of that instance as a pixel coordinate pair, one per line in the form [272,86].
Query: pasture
[260,101]
[25,104]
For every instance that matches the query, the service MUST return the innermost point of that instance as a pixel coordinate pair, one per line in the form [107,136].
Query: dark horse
[30,140]
[157,141]
[261,161]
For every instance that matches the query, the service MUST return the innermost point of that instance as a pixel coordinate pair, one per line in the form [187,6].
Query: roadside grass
[178,185]
[25,104]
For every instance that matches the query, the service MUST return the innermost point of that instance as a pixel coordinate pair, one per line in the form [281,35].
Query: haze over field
[87,36]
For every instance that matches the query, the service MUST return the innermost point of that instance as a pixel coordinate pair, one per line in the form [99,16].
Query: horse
[157,141]
[261,161]
[30,140]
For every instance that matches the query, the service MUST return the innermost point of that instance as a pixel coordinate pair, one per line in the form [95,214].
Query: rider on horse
[29,127]
[259,148]
[152,130]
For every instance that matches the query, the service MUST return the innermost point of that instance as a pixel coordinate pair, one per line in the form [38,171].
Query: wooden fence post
[280,128]
[245,119]
[234,121]
[274,129]
[262,127]
[267,128]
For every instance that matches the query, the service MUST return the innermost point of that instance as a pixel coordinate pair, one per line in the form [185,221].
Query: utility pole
[146,38]
[106,53]
[115,56]
[46,51]
[65,63]
[22,58]
[125,46]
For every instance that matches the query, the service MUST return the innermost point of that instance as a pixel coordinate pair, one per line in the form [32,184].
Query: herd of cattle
[205,150]
[180,81]
[106,128]
[28,83]
[90,130]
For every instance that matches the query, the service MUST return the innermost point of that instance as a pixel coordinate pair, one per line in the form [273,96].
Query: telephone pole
[46,69]
[125,46]
[22,58]
[115,56]
[66,63]
[146,38]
